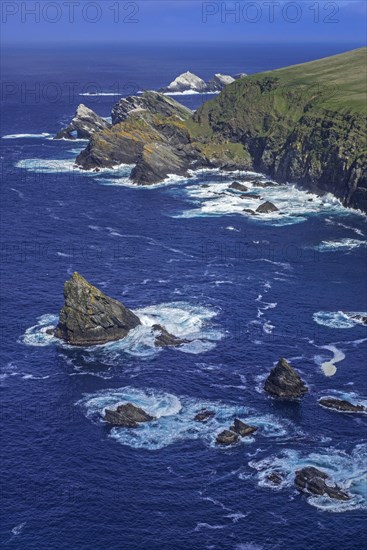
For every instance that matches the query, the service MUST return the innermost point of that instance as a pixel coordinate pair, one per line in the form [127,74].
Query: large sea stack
[284,381]
[89,317]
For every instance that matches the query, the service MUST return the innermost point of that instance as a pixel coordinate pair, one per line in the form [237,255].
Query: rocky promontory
[84,124]
[285,382]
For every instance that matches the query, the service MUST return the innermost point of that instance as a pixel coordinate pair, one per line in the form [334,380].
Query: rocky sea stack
[84,124]
[284,381]
[89,317]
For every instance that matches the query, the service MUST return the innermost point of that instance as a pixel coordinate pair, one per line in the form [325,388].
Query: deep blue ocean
[245,290]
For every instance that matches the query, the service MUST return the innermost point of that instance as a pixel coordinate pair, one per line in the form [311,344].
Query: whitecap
[29,136]
[18,528]
[37,335]
[338,319]
[342,244]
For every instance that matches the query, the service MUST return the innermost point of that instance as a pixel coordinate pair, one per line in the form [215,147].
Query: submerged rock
[316,482]
[85,123]
[284,381]
[127,415]
[227,437]
[341,405]
[275,478]
[242,429]
[238,186]
[266,208]
[204,416]
[164,338]
[89,317]
[358,317]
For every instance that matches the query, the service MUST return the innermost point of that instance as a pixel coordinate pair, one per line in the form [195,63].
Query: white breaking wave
[342,244]
[349,471]
[217,199]
[338,319]
[175,418]
[179,318]
[95,94]
[44,135]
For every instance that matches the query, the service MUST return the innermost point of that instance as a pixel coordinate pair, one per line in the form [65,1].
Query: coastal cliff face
[304,124]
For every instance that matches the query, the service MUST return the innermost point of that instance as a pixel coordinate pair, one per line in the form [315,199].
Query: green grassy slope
[305,123]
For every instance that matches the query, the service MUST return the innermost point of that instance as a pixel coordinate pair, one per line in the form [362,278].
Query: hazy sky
[86,21]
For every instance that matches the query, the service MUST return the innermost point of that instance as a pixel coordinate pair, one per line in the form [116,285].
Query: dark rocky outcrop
[84,124]
[284,381]
[275,478]
[242,429]
[164,338]
[341,405]
[252,196]
[89,317]
[204,416]
[238,186]
[227,437]
[128,416]
[266,208]
[316,482]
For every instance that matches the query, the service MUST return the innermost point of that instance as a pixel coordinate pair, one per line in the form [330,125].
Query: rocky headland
[303,124]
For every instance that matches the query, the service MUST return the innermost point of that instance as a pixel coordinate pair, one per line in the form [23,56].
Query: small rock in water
[127,415]
[238,186]
[242,429]
[266,208]
[341,405]
[249,211]
[316,482]
[227,437]
[164,338]
[204,416]
[275,478]
[284,381]
[251,196]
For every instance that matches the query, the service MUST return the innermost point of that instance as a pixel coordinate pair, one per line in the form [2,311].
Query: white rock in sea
[186,81]
[218,82]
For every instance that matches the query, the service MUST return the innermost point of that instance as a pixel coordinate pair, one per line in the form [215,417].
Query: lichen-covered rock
[127,415]
[227,437]
[84,124]
[242,429]
[149,102]
[316,482]
[89,317]
[284,381]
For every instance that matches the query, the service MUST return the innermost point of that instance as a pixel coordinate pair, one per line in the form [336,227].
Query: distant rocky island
[191,83]
[303,125]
